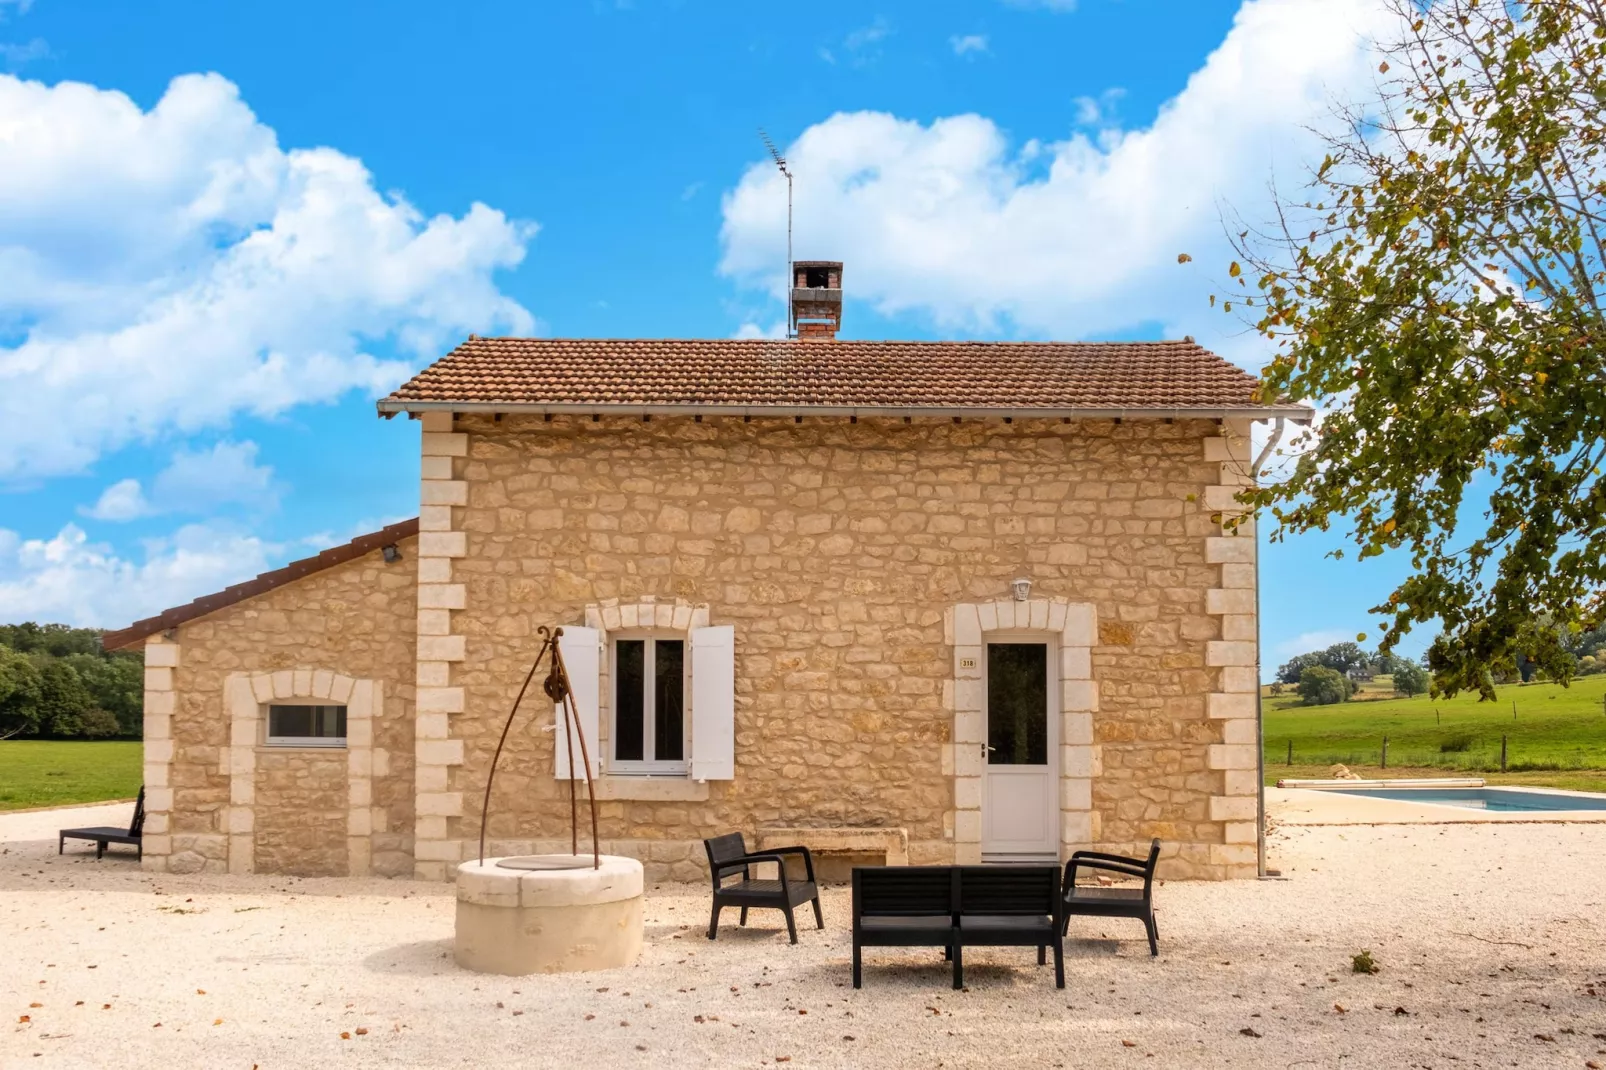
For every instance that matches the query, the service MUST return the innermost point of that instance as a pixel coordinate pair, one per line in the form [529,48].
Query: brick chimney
[816,299]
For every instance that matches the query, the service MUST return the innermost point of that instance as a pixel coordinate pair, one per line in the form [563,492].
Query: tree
[19,695]
[1409,677]
[1321,686]
[96,723]
[116,684]
[1342,657]
[57,640]
[1289,671]
[1442,296]
[63,698]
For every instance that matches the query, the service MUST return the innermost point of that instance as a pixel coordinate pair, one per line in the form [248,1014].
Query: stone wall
[300,812]
[837,549]
[226,803]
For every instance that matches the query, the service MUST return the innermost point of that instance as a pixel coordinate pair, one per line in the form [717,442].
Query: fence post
[1513,709]
[1436,719]
[1290,752]
[1385,762]
[1502,753]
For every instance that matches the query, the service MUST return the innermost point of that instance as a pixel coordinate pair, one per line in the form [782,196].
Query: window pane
[290,721]
[307,722]
[669,697]
[1017,703]
[629,721]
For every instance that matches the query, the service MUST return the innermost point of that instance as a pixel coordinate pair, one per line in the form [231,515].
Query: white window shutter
[713,703]
[582,652]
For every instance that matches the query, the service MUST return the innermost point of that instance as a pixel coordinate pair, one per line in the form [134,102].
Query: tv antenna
[780,162]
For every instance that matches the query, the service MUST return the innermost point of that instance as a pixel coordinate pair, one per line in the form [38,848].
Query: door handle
[986,750]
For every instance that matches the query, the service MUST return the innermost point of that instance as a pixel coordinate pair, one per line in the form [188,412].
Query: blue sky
[225,228]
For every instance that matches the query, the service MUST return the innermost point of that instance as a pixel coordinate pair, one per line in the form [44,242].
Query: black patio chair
[727,857]
[1112,902]
[105,834]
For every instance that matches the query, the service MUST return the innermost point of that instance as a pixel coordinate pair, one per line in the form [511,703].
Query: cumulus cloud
[1075,238]
[73,580]
[123,500]
[169,269]
[751,329]
[968,43]
[197,481]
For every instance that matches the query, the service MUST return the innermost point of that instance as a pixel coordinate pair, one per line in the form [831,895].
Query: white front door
[1020,807]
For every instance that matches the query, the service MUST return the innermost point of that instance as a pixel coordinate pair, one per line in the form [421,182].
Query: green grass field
[41,772]
[1557,737]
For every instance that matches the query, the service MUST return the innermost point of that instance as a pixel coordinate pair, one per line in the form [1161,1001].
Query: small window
[306,726]
[649,705]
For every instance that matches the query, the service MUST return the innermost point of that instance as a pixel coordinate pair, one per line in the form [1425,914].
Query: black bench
[728,857]
[903,906]
[954,907]
[105,834]
[1112,902]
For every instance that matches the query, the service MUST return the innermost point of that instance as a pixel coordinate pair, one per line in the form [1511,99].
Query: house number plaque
[967,663]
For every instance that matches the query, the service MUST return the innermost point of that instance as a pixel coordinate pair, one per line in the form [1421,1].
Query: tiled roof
[831,377]
[267,581]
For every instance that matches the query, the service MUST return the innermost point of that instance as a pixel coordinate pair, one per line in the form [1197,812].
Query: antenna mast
[780,162]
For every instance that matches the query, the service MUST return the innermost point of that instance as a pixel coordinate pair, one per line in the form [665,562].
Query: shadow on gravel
[422,958]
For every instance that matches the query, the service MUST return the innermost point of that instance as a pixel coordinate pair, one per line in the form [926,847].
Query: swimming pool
[1503,799]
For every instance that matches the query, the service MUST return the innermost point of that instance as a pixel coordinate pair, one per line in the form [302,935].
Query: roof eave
[1297,413]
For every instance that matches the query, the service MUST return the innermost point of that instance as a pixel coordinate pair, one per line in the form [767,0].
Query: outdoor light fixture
[1022,588]
[391,553]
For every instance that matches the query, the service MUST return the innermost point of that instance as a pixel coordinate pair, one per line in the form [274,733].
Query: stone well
[548,914]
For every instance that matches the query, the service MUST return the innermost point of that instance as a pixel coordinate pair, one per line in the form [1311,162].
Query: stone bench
[891,844]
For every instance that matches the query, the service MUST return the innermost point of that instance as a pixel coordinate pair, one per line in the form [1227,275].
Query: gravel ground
[1489,940]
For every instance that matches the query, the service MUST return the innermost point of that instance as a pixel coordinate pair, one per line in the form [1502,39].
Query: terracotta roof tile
[752,375]
[267,581]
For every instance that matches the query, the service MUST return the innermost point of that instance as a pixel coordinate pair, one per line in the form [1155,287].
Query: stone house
[923,601]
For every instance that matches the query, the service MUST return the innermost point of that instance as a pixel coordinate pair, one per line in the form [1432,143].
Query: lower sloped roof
[267,581]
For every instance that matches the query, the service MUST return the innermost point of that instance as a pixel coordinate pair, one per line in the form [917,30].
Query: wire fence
[1479,756]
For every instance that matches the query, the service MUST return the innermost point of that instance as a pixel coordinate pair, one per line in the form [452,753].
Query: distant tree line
[1324,677]
[56,682]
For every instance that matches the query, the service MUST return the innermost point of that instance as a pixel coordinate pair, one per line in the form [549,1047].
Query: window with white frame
[306,725]
[649,728]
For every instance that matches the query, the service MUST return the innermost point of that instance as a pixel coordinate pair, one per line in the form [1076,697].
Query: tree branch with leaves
[1439,297]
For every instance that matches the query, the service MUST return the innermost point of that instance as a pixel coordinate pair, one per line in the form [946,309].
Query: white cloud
[970,42]
[1072,239]
[867,35]
[72,580]
[15,55]
[123,500]
[751,329]
[168,269]
[226,473]
[1099,110]
[1306,642]
[195,482]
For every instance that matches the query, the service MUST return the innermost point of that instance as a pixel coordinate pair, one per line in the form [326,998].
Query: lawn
[41,772]
[1554,735]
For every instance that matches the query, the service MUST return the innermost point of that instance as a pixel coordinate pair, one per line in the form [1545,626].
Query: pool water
[1483,798]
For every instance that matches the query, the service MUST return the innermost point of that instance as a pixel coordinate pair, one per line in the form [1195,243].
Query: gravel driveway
[1489,940]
